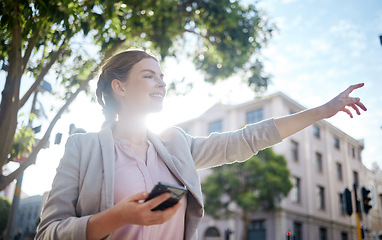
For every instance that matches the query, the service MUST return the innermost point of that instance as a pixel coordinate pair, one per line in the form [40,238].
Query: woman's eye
[148,76]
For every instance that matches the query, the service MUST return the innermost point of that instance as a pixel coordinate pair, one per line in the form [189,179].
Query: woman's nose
[161,83]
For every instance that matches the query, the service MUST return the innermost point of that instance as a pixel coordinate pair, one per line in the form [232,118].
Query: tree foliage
[5,207]
[68,40]
[257,184]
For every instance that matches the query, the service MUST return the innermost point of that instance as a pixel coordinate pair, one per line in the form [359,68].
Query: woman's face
[144,89]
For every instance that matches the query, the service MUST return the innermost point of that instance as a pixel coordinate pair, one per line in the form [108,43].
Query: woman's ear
[117,87]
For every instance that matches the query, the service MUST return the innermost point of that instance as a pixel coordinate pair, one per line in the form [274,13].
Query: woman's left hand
[343,101]
[291,124]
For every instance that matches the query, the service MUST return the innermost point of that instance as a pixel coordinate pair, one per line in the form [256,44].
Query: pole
[13,213]
[359,232]
[357,212]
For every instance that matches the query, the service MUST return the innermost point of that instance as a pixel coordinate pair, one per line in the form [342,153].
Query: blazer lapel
[166,156]
[184,173]
[108,157]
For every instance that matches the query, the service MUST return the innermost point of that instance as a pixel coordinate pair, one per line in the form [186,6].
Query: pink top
[132,176]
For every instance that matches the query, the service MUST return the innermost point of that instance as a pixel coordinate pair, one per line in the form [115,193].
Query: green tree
[257,184]
[52,38]
[5,207]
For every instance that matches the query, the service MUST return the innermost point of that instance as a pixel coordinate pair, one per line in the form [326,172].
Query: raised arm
[291,124]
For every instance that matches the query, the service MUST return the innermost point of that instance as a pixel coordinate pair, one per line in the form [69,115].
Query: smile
[157,96]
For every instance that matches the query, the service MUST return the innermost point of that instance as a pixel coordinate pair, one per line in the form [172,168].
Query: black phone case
[177,192]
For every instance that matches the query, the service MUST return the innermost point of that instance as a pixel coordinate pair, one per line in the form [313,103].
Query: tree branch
[5,180]
[42,74]
[28,51]
[193,32]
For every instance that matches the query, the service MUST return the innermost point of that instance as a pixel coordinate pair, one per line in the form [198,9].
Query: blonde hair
[116,67]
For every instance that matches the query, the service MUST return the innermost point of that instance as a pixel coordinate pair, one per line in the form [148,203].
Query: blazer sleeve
[236,146]
[59,219]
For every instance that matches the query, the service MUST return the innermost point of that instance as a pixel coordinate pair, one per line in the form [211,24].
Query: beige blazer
[84,182]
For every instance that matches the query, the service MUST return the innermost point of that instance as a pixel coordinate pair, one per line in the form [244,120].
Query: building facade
[322,160]
[28,216]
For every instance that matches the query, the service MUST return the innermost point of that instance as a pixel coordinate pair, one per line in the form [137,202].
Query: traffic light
[347,201]
[366,200]
[288,235]
[363,232]
[227,234]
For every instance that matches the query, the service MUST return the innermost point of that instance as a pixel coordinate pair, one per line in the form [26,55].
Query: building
[28,216]
[322,160]
[373,181]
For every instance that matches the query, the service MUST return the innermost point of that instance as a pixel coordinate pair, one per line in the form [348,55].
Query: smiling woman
[104,178]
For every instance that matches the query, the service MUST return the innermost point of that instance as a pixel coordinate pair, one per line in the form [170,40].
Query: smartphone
[177,192]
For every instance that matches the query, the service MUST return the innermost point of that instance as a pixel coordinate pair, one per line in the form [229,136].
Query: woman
[104,178]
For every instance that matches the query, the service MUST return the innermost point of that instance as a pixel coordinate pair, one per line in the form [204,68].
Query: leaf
[251,185]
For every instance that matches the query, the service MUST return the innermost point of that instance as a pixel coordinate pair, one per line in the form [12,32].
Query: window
[295,151]
[319,162]
[257,229]
[342,204]
[255,116]
[353,152]
[216,126]
[296,190]
[321,197]
[355,177]
[339,172]
[344,236]
[212,233]
[336,143]
[323,233]
[316,131]
[297,229]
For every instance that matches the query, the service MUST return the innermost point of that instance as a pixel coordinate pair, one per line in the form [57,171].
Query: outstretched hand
[343,101]
[291,124]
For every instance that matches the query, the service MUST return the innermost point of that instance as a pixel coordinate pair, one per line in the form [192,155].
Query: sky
[320,49]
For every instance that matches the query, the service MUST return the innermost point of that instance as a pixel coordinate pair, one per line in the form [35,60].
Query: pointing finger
[353,87]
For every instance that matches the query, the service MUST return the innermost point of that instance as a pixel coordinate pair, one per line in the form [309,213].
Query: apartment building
[322,160]
[28,216]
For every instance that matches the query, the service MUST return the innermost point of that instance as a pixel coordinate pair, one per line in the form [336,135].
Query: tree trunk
[10,96]
[245,226]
